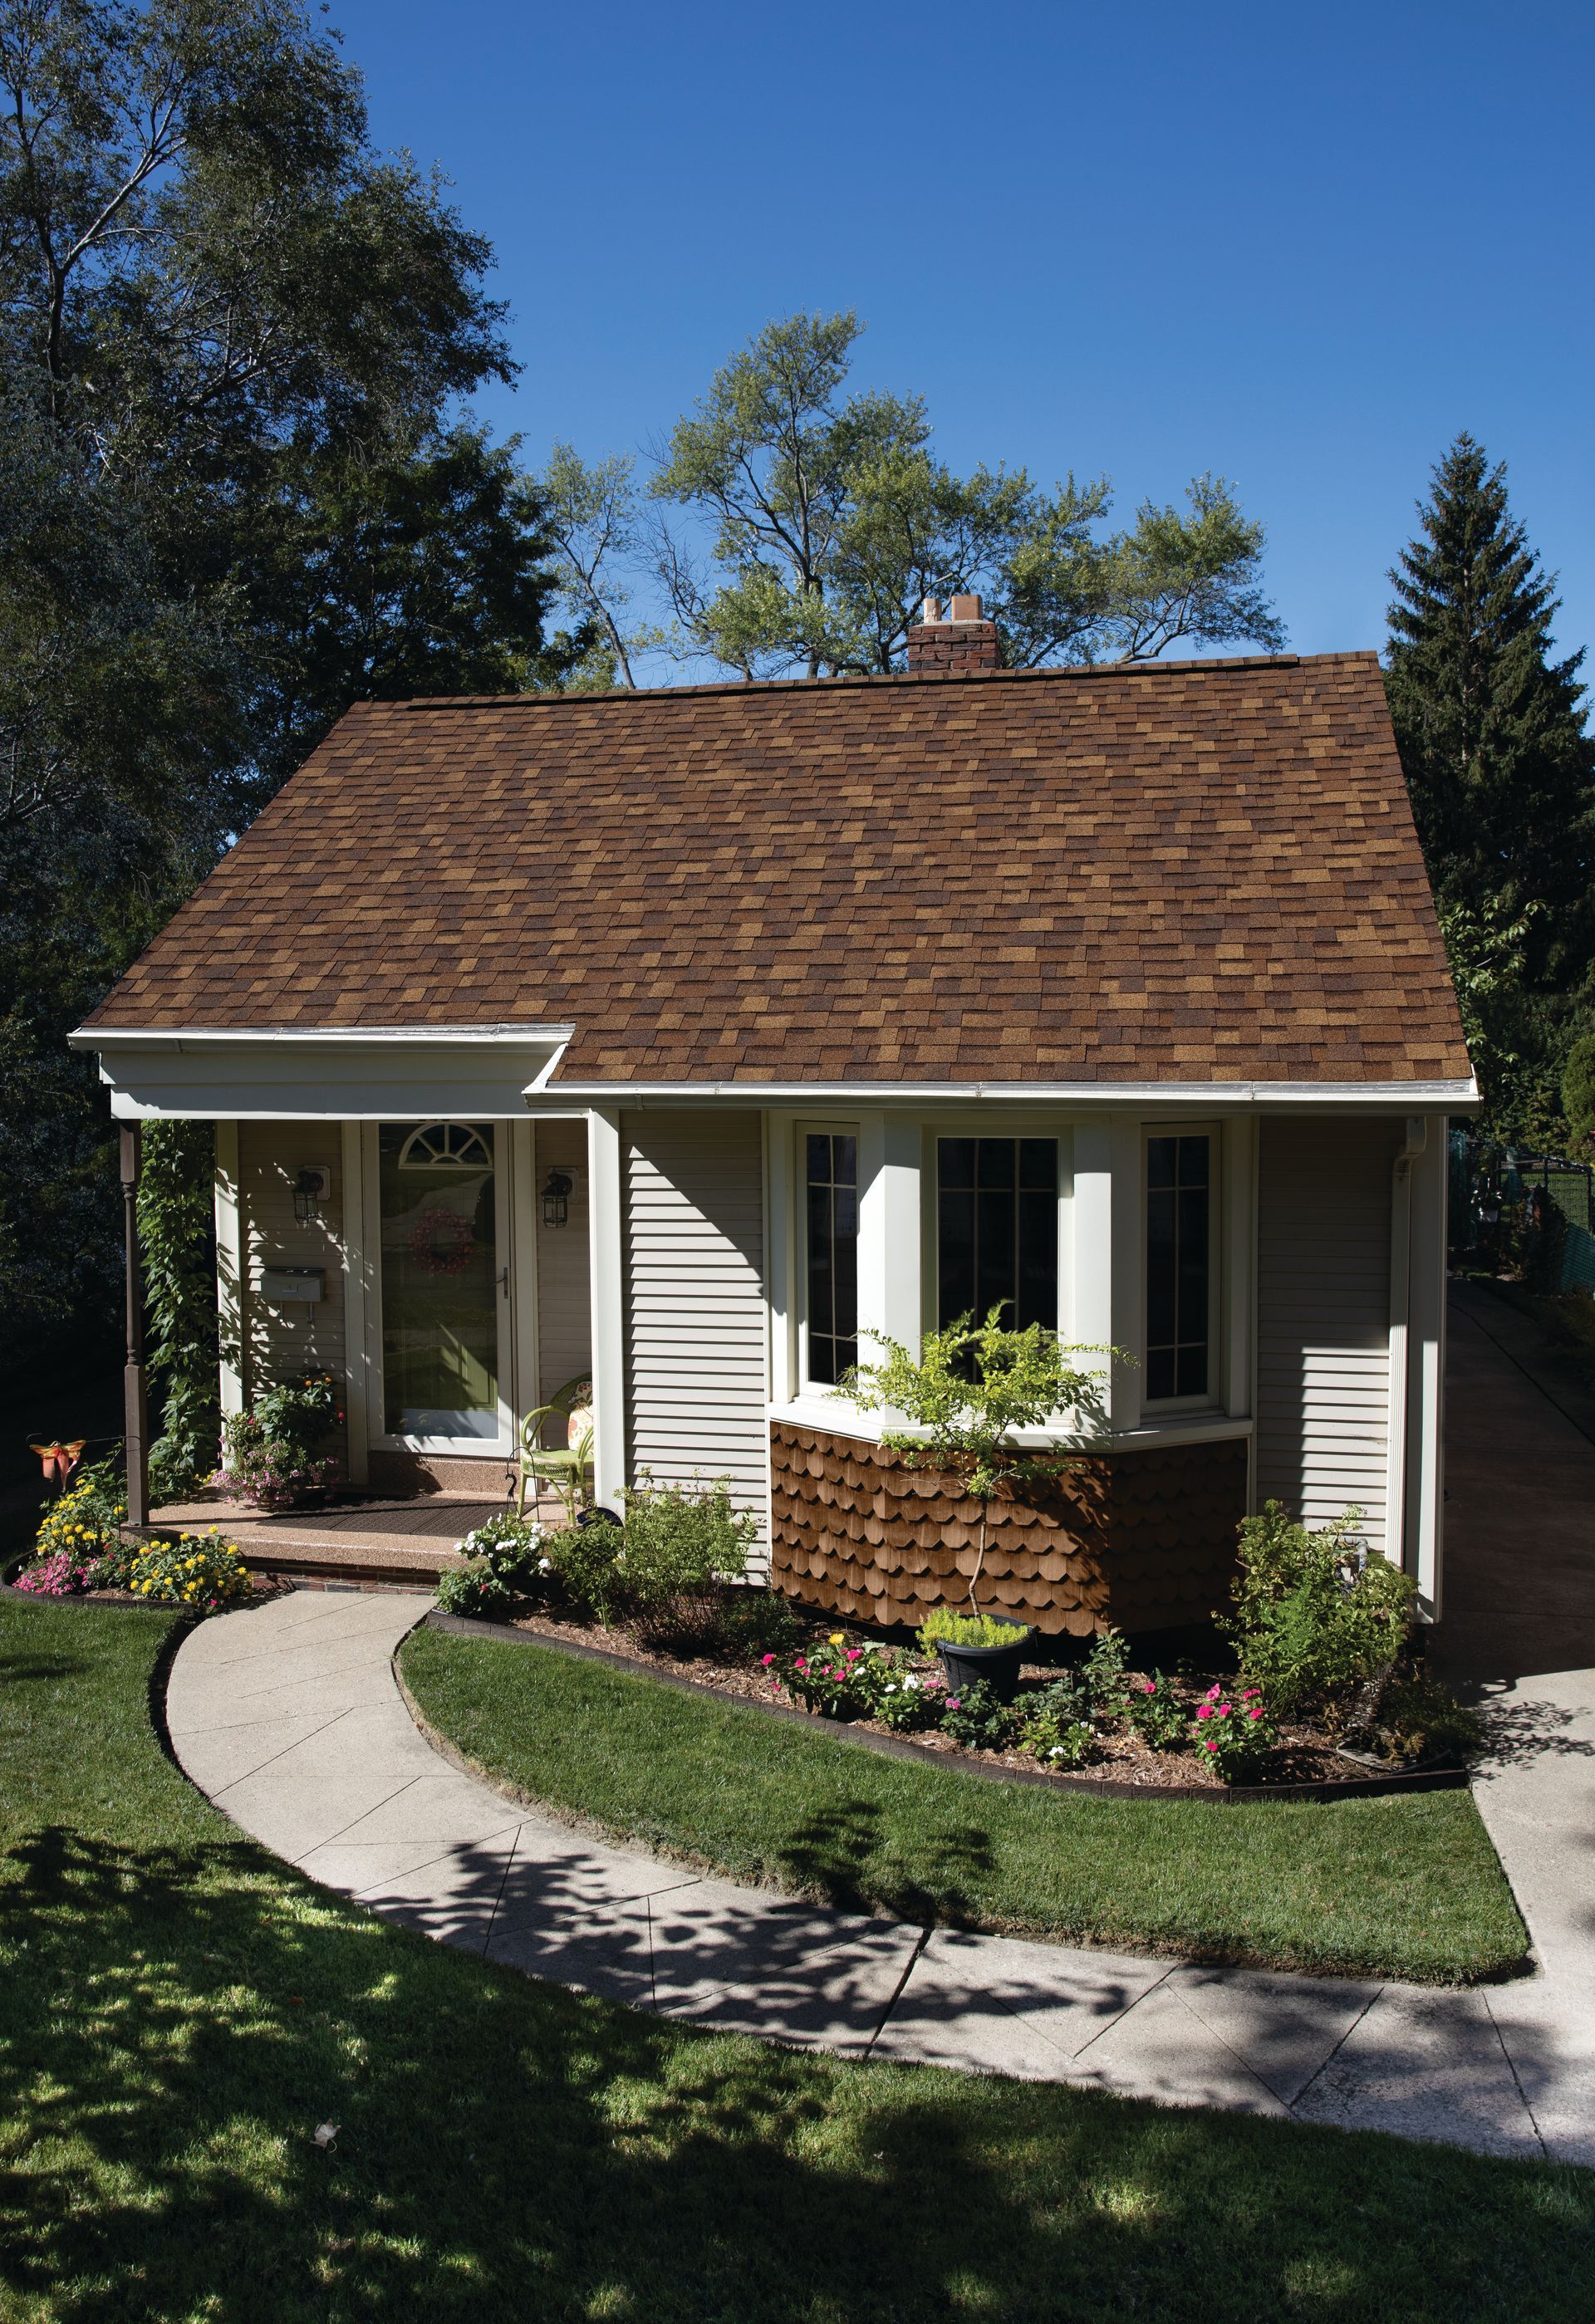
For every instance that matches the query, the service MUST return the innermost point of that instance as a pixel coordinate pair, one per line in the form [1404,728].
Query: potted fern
[972,1389]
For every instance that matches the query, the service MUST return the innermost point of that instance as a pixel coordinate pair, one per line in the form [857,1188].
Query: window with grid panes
[997,1230]
[832,1253]
[1179,1261]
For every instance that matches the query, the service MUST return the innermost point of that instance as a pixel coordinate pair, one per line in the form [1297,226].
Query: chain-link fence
[1531,1216]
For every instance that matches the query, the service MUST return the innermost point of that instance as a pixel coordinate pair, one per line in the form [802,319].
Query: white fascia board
[332,1073]
[1152,1100]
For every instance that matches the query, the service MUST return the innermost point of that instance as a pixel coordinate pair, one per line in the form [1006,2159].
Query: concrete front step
[392,1543]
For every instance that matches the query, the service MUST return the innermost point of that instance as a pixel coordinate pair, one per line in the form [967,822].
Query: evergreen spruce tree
[1490,727]
[1501,774]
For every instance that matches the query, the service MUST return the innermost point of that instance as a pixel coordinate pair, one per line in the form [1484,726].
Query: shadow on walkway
[1519,1585]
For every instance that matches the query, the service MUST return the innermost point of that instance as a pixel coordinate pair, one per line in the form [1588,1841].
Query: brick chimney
[963,640]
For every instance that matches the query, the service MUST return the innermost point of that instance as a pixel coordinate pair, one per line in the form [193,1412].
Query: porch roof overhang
[331,1073]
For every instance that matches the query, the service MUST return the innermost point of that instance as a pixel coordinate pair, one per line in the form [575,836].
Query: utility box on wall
[281,1286]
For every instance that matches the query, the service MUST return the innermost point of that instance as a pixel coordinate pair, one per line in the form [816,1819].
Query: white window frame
[802,1130]
[930,1179]
[1213,1399]
[493,1447]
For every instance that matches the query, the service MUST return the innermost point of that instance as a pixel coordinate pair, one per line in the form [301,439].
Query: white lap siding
[1324,1316]
[696,1364]
[282,1337]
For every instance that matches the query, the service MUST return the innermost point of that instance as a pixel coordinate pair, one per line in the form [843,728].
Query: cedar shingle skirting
[1142,1539]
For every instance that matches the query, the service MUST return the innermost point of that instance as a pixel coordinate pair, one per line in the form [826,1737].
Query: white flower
[545,1565]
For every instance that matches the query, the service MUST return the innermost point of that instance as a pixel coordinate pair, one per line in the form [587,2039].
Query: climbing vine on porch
[177,1232]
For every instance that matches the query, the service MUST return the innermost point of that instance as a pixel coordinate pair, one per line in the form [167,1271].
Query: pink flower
[1209,1747]
[1213,1694]
[766,1660]
[800,1664]
[952,1703]
[1251,1694]
[1256,1713]
[1148,1686]
[852,1654]
[1225,1709]
[1203,1710]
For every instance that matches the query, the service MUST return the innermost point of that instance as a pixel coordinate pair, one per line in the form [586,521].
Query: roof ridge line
[1088,672]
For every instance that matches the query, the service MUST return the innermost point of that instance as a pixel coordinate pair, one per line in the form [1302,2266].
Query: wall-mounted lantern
[310,1190]
[557,1199]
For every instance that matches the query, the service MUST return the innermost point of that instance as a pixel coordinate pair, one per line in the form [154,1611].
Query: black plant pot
[997,1667]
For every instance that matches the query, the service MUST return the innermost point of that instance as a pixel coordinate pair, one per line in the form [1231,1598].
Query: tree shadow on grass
[177,2022]
[842,1855]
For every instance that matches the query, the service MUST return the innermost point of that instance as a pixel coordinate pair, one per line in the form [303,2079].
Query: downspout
[1413,1145]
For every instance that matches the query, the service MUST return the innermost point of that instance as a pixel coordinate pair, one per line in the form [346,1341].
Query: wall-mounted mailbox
[281,1284]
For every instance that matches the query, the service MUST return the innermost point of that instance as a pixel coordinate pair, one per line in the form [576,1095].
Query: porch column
[136,1419]
[604,1226]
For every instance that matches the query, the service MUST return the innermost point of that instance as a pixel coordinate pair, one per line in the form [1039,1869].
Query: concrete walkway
[289,1717]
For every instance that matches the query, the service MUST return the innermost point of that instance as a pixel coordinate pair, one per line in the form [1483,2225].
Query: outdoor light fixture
[309,1189]
[557,1199]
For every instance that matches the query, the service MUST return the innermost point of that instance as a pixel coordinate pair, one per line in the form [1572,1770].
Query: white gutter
[1146,1097]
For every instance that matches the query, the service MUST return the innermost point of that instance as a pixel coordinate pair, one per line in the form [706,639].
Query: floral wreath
[442,1242]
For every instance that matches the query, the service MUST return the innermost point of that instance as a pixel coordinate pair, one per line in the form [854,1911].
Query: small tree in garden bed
[972,1388]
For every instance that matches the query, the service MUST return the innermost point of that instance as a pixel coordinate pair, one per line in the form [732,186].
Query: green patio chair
[565,1467]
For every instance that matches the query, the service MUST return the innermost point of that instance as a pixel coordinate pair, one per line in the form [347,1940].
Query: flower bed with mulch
[1303,1754]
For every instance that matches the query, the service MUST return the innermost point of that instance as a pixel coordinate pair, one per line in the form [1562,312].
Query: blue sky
[1299,246]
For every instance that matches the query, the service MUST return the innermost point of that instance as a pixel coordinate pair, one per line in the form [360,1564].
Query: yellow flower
[836,1638]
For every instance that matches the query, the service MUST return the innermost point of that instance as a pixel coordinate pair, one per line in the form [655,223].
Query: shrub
[83,1523]
[269,1454]
[910,1698]
[1234,1731]
[1156,1714]
[682,1547]
[476,1590]
[943,1627]
[1315,1615]
[754,1622]
[515,1548]
[1417,1718]
[1052,1727]
[197,1569]
[585,1560]
[977,1718]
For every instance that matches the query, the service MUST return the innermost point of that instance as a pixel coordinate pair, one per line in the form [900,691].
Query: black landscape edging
[899,1747]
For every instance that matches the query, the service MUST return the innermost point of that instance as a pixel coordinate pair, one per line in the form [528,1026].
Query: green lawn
[1405,1887]
[178,2012]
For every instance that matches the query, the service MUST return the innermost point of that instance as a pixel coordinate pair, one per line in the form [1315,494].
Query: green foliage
[1054,1727]
[1578,1089]
[683,1544]
[977,1718]
[1417,1717]
[176,1239]
[970,1388]
[1105,1673]
[586,1559]
[832,519]
[1316,1616]
[1155,1711]
[478,1590]
[943,1625]
[757,1622]
[1501,774]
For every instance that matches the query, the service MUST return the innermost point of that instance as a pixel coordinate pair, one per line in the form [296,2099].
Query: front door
[444,1283]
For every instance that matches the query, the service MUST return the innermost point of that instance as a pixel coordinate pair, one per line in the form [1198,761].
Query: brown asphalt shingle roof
[1199,872]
